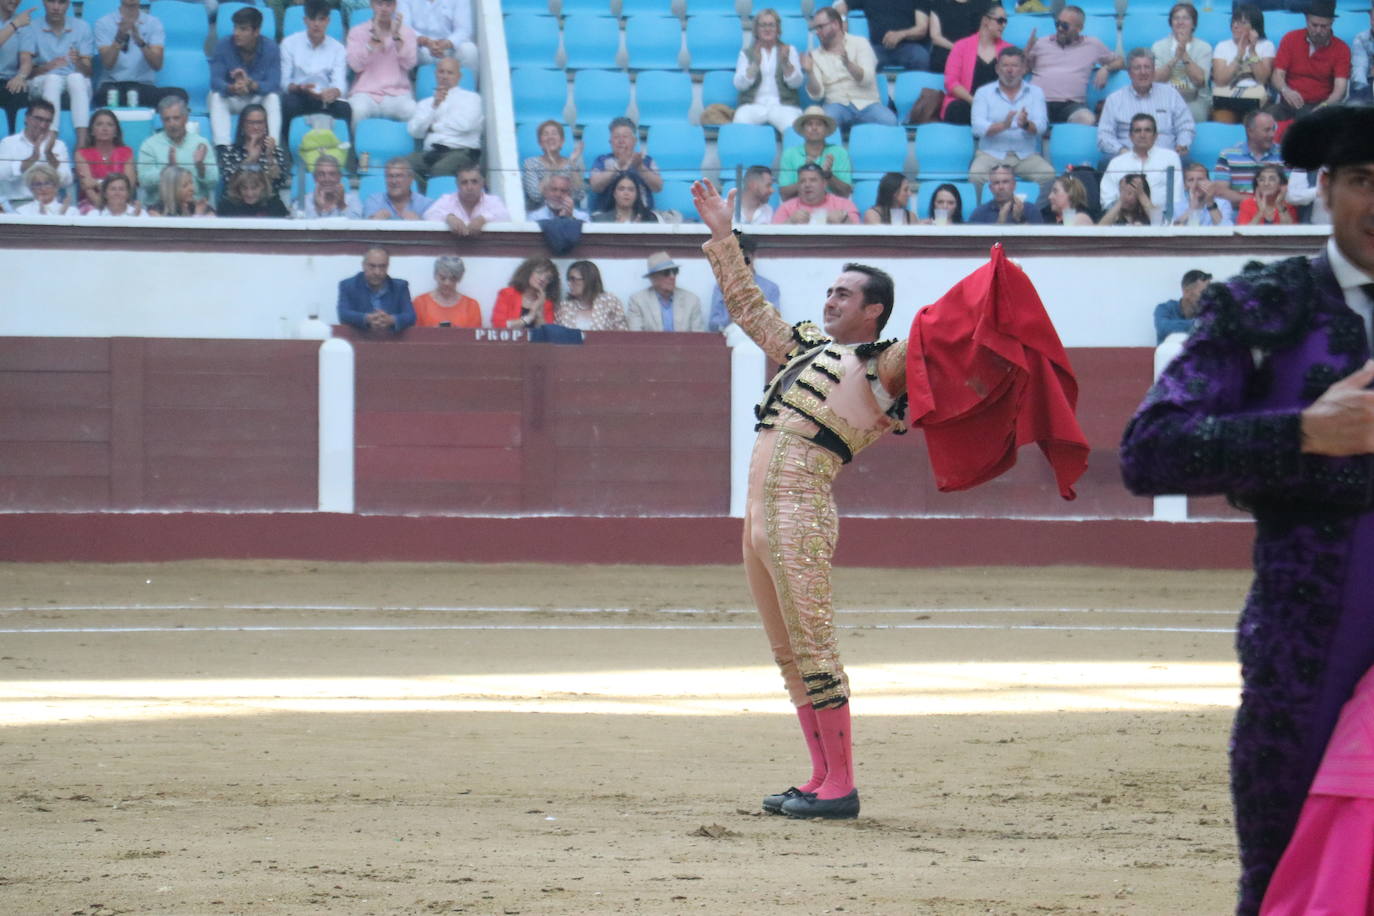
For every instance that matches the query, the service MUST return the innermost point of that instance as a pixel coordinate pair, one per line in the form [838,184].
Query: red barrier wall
[123,423]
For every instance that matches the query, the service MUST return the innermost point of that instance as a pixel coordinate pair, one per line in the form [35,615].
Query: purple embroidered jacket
[1224,418]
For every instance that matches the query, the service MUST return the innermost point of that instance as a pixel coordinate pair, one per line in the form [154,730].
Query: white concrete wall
[1094,301]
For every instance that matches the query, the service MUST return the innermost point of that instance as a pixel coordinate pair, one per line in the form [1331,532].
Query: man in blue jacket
[374,301]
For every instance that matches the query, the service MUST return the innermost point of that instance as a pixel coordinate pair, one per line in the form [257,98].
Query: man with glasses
[842,73]
[664,307]
[1312,68]
[1062,66]
[1173,121]
[37,142]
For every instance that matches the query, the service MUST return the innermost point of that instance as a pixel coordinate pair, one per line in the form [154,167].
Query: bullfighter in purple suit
[1268,404]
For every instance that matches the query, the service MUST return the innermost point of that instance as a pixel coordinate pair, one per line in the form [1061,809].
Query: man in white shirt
[37,142]
[443,28]
[1009,119]
[314,72]
[754,197]
[1151,160]
[450,123]
[131,44]
[842,74]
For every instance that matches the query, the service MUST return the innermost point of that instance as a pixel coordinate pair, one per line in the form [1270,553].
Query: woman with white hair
[768,75]
[444,306]
[42,181]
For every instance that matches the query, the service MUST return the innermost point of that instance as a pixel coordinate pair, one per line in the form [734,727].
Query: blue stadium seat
[677,195]
[293,21]
[1143,29]
[585,7]
[1029,190]
[1214,25]
[591,41]
[714,42]
[532,41]
[188,69]
[909,85]
[600,94]
[968,196]
[856,23]
[712,8]
[718,87]
[538,7]
[224,17]
[865,195]
[875,149]
[663,97]
[1073,144]
[793,31]
[644,8]
[382,138]
[91,10]
[374,182]
[1020,25]
[746,145]
[186,25]
[1102,28]
[539,94]
[1213,137]
[653,42]
[944,151]
[677,149]
[440,185]
[596,141]
[1114,82]
[1278,23]
[356,16]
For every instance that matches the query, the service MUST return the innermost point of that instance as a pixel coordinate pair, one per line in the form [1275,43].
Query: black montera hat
[1333,136]
[1323,8]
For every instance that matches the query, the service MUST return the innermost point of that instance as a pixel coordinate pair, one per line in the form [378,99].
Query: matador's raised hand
[716,212]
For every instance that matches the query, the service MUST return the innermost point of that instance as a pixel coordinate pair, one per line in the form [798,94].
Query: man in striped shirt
[1236,167]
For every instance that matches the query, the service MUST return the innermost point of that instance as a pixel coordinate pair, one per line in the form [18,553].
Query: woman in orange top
[445,307]
[517,306]
[1269,206]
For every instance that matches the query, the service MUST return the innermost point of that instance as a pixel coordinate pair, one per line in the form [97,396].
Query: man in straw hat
[664,307]
[973,360]
[1269,404]
[815,126]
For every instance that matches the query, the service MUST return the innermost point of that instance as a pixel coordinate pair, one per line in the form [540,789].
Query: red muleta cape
[986,374]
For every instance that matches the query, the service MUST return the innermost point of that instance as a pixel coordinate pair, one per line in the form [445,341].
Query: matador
[839,390]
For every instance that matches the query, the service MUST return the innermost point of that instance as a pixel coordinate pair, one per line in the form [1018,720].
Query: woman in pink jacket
[972,62]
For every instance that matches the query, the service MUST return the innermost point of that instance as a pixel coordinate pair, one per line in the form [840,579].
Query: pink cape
[1328,867]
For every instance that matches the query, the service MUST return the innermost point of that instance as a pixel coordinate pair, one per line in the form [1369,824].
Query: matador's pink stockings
[811,730]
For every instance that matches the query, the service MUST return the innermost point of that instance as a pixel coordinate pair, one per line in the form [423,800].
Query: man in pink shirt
[1061,67]
[467,211]
[382,51]
[813,203]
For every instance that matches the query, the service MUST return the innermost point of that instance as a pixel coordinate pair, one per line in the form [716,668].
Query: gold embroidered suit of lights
[802,527]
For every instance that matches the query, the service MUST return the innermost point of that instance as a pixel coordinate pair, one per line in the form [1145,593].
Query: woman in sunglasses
[973,62]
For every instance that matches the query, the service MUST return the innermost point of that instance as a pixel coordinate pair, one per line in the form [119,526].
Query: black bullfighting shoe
[831,808]
[773,803]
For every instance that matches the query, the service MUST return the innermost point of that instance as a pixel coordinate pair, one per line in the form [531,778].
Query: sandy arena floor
[279,738]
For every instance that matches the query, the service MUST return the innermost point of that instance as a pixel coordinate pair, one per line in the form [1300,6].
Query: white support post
[336,426]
